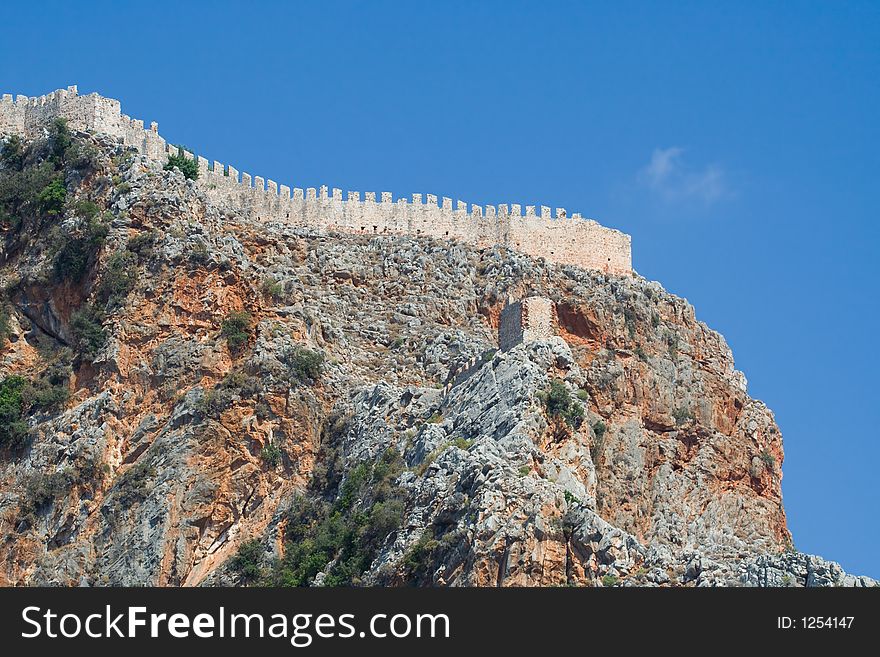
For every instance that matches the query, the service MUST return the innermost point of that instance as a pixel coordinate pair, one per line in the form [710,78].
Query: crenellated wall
[535,231]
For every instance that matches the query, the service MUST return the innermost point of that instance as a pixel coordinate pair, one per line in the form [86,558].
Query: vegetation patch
[189,168]
[234,386]
[20,398]
[305,364]
[599,431]
[271,455]
[118,280]
[236,328]
[341,538]
[248,561]
[682,415]
[559,404]
[87,331]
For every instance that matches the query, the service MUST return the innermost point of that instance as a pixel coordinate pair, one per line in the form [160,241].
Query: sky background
[738,143]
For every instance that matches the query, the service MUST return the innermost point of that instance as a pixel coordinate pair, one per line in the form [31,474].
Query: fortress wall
[534,231]
[30,117]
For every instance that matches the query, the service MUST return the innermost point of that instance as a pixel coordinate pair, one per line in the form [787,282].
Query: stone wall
[525,321]
[538,232]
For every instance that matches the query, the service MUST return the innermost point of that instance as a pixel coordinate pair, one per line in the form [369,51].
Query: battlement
[539,232]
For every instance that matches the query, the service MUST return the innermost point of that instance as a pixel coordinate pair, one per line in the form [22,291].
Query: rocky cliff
[191,399]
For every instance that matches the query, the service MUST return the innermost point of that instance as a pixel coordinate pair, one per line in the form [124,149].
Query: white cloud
[669,177]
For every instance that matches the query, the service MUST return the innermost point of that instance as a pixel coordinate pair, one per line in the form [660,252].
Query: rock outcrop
[209,401]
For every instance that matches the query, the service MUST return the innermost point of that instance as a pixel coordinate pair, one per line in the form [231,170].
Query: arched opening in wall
[362,228]
[287,214]
[375,229]
[447,233]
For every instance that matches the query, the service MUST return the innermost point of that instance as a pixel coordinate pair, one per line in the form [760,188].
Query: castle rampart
[558,238]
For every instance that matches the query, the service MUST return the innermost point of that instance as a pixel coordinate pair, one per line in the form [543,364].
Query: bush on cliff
[53,196]
[88,333]
[236,328]
[13,427]
[12,153]
[119,278]
[560,404]
[20,398]
[305,364]
[78,250]
[347,534]
[20,192]
[248,561]
[189,168]
[60,141]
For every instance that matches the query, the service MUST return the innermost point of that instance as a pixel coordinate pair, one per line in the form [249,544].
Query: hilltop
[192,397]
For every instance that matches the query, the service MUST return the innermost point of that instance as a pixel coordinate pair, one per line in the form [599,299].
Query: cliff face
[188,398]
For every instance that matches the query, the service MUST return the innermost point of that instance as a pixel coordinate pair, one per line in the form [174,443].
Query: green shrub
[305,364]
[76,253]
[768,460]
[629,317]
[72,260]
[189,168]
[42,490]
[682,415]
[52,197]
[20,191]
[12,153]
[610,580]
[344,537]
[88,334]
[82,157]
[273,289]
[13,428]
[133,486]
[45,394]
[86,209]
[5,327]
[271,455]
[235,385]
[20,398]
[559,403]
[119,278]
[143,243]
[462,443]
[248,561]
[60,141]
[236,328]
[420,557]
[641,355]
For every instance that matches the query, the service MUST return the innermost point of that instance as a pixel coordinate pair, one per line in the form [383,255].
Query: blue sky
[738,143]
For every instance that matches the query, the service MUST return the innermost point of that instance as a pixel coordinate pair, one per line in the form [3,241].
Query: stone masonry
[525,321]
[537,232]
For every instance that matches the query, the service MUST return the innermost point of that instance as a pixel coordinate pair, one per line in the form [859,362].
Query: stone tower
[525,321]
